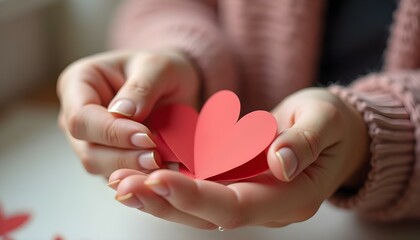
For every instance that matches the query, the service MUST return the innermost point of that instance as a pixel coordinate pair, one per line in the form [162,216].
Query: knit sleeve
[390,105]
[188,25]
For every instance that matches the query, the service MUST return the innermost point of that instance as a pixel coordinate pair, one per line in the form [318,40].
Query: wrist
[388,110]
[359,143]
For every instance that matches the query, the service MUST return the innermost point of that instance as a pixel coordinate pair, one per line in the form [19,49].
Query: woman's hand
[106,97]
[317,125]
[323,144]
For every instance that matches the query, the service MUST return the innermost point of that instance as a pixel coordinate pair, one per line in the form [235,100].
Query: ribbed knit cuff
[389,109]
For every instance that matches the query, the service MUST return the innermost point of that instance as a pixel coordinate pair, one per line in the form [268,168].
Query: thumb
[315,129]
[144,86]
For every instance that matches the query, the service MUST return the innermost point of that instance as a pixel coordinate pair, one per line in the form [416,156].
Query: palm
[322,132]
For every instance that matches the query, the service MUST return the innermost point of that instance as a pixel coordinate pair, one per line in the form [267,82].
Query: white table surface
[40,174]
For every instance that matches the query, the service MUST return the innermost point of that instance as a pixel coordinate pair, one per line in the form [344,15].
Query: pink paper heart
[214,144]
[11,223]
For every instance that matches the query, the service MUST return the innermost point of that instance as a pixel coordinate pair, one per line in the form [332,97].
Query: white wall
[82,28]
[38,38]
[24,55]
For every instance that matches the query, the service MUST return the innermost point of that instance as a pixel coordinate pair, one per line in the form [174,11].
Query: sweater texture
[265,50]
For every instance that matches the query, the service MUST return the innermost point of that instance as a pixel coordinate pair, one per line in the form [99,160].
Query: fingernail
[142,140]
[157,187]
[288,162]
[124,107]
[147,160]
[129,200]
[114,184]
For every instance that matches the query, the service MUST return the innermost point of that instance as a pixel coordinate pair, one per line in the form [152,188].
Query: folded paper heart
[214,145]
[11,223]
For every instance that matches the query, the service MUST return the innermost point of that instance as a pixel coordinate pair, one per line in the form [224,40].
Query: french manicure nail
[142,140]
[147,160]
[288,162]
[123,197]
[114,184]
[157,187]
[124,107]
[129,200]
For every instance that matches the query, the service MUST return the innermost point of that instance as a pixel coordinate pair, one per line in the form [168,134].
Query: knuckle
[61,121]
[161,211]
[236,216]
[89,161]
[110,133]
[121,162]
[140,89]
[76,125]
[313,140]
[80,66]
[234,221]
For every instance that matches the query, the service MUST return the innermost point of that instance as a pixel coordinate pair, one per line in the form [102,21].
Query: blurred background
[43,184]
[38,38]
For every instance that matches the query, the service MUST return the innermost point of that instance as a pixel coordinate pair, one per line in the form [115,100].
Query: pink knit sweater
[273,46]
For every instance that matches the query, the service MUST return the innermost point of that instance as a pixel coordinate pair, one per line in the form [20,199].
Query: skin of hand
[106,97]
[322,145]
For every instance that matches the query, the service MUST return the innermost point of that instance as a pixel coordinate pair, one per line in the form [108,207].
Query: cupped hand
[323,145]
[106,97]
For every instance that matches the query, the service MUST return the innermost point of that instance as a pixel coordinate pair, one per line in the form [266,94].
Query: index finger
[93,80]
[94,123]
[263,200]
[84,89]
